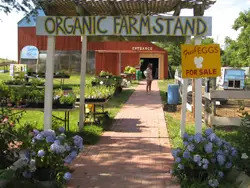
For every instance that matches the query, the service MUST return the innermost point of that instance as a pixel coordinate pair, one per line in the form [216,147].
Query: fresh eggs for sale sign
[199,61]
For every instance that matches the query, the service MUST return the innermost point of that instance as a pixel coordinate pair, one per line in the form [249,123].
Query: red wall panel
[107,62]
[129,59]
[166,65]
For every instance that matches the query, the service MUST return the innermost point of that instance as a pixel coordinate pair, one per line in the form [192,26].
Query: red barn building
[108,56]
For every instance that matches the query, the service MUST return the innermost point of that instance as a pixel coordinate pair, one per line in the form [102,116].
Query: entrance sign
[199,61]
[124,25]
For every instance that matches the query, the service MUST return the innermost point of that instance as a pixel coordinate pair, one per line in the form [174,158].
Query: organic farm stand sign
[84,26]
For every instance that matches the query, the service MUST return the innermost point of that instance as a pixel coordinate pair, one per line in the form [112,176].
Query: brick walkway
[136,153]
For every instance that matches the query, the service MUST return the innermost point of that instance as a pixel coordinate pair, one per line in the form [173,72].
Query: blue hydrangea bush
[204,158]
[48,155]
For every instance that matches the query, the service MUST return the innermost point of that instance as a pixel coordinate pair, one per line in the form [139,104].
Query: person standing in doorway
[149,77]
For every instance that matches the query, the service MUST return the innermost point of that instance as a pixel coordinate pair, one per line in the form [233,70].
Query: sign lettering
[200,61]
[124,25]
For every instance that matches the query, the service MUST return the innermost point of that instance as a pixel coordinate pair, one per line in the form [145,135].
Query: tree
[237,52]
[8,6]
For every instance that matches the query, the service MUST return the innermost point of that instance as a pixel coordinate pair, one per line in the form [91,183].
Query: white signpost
[114,26]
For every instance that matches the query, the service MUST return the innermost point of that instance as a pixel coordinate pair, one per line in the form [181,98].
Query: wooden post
[213,101]
[48,99]
[193,97]
[120,63]
[184,99]
[198,98]
[82,84]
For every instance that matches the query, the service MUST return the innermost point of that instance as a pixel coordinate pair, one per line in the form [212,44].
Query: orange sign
[199,61]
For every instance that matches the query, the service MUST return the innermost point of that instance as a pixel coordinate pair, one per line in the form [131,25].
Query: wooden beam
[225,121]
[228,94]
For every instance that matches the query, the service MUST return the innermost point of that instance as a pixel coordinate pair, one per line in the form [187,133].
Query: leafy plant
[68,99]
[204,159]
[104,73]
[130,70]
[244,137]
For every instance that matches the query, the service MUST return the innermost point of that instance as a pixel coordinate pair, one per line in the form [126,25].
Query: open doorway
[155,63]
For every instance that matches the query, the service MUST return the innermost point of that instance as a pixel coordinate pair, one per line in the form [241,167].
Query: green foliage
[103,73]
[207,41]
[8,136]
[244,133]
[99,92]
[68,99]
[129,70]
[237,52]
[174,52]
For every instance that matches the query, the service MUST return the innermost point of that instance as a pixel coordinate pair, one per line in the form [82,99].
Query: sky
[223,13]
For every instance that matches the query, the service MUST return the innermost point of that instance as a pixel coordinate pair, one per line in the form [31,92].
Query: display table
[93,109]
[66,114]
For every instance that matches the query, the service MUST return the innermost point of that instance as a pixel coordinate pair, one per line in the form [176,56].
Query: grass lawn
[5,76]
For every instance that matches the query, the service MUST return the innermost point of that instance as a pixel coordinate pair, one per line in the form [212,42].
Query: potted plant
[46,156]
[67,101]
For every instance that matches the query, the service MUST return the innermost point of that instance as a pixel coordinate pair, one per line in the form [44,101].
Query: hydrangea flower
[178,160]
[50,139]
[190,138]
[208,147]
[48,132]
[36,132]
[212,137]
[67,176]
[175,152]
[57,142]
[220,174]
[185,143]
[180,166]
[234,152]
[78,141]
[67,147]
[205,161]
[205,166]
[185,136]
[228,165]
[68,159]
[54,148]
[61,129]
[208,131]
[218,141]
[186,154]
[196,158]
[221,159]
[213,182]
[39,137]
[190,147]
[198,137]
[41,153]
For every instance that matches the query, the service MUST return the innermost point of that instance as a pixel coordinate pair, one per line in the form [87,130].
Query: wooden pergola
[120,7]
[108,8]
